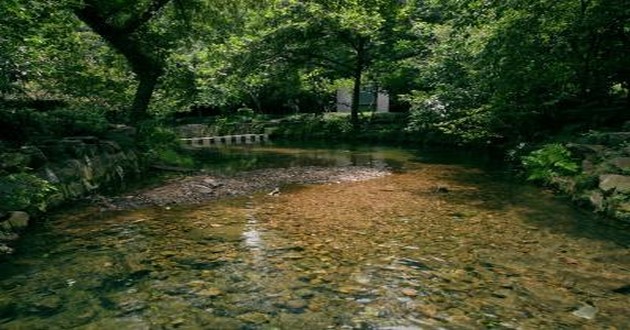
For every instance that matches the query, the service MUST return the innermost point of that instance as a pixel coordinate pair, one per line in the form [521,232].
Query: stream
[436,242]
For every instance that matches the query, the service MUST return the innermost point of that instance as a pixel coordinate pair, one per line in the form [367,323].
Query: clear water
[440,243]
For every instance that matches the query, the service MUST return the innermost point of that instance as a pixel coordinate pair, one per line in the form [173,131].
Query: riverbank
[52,173]
[592,169]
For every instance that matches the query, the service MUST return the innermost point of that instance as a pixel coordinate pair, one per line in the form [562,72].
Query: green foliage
[445,119]
[23,191]
[19,125]
[549,162]
[160,144]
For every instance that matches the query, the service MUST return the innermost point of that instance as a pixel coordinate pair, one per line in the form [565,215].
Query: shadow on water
[497,189]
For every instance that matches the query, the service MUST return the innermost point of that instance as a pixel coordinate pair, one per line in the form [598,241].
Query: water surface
[440,243]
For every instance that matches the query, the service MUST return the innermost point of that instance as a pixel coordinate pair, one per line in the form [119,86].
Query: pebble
[586,312]
[211,292]
[254,317]
[409,292]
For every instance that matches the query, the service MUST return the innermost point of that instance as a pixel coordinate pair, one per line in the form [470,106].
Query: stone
[18,220]
[614,182]
[5,249]
[585,149]
[37,157]
[47,305]
[254,317]
[588,166]
[296,304]
[211,292]
[624,207]
[586,312]
[596,200]
[409,292]
[622,163]
[7,236]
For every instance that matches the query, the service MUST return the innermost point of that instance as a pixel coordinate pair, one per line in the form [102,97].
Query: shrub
[549,162]
[23,191]
[161,144]
[21,125]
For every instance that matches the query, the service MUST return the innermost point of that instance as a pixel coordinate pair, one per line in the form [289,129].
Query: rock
[588,166]
[586,312]
[211,292]
[409,292]
[296,304]
[8,237]
[254,317]
[37,157]
[614,182]
[596,200]
[47,305]
[622,163]
[18,220]
[5,249]
[583,150]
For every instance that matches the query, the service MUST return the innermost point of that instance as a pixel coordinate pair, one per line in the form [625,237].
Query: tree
[124,25]
[344,38]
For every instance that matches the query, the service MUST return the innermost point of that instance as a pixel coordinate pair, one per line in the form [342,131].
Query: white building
[369,100]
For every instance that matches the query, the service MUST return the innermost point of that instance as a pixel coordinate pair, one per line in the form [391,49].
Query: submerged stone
[586,312]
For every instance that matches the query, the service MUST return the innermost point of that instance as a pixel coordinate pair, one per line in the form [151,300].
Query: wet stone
[254,317]
[47,305]
[211,292]
[409,292]
[586,312]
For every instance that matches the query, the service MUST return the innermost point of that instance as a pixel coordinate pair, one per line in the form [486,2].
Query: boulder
[622,163]
[614,182]
[585,149]
[18,220]
[5,249]
[36,156]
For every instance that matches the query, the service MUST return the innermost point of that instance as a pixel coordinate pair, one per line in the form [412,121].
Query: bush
[21,125]
[77,121]
[161,144]
[23,191]
[548,163]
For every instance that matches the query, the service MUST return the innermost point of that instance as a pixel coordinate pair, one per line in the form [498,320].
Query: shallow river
[439,243]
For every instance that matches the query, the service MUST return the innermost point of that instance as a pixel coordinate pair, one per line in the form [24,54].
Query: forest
[470,72]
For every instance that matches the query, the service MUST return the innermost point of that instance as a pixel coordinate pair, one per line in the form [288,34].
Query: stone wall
[76,166]
[604,182]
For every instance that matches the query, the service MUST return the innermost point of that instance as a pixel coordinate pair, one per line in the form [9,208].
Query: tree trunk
[142,98]
[356,98]
[145,60]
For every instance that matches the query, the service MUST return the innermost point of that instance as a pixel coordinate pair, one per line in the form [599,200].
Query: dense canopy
[471,70]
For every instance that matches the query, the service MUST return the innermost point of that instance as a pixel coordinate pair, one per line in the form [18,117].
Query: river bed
[431,242]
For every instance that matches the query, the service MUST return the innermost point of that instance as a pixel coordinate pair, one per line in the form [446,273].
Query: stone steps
[208,141]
